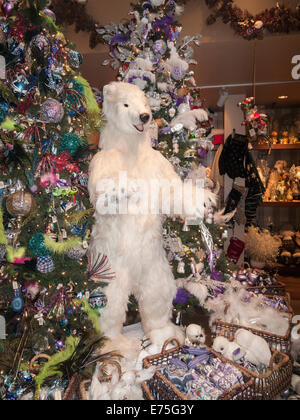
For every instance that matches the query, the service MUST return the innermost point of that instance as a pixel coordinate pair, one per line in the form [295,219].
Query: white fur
[228,348]
[194,332]
[133,243]
[257,349]
[189,119]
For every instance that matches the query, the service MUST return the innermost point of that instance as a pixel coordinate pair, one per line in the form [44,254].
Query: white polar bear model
[133,243]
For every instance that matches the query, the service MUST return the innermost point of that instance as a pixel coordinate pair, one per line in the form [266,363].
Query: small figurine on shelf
[274,137]
[289,195]
[295,181]
[292,136]
[285,138]
[281,191]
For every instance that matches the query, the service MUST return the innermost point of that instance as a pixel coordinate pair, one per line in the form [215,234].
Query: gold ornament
[20,204]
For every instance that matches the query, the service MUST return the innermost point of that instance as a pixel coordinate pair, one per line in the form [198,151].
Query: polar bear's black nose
[145,118]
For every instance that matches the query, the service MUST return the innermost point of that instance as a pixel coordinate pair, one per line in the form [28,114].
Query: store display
[283,183]
[94,291]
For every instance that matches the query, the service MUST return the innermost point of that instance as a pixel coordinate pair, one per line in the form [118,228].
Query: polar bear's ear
[109,90]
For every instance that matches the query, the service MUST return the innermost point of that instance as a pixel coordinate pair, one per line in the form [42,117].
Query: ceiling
[223,57]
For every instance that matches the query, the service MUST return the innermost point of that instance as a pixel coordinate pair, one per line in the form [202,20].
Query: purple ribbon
[216,275]
[118,39]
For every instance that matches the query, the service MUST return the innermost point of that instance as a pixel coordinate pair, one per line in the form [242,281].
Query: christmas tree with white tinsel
[149,52]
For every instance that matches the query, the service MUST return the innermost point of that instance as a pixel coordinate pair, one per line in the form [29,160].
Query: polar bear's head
[126,108]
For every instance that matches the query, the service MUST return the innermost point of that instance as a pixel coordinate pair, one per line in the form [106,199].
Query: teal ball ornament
[37,245]
[70,142]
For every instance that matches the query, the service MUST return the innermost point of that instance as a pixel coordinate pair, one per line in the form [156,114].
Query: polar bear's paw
[159,336]
[127,347]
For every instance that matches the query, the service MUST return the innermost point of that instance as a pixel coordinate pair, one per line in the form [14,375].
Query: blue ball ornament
[45,265]
[64,322]
[17,303]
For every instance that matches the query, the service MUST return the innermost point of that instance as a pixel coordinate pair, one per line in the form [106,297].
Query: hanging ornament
[165,99]
[20,84]
[17,302]
[42,43]
[4,107]
[74,59]
[70,142]
[76,253]
[20,204]
[37,245]
[2,328]
[8,7]
[45,265]
[52,111]
[2,252]
[49,13]
[172,112]
[64,322]
[160,47]
[97,300]
[181,267]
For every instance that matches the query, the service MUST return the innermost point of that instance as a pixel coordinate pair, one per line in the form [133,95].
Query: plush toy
[257,350]
[129,236]
[296,384]
[194,332]
[228,349]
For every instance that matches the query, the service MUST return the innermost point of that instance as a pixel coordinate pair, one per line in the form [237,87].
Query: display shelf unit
[281,204]
[281,147]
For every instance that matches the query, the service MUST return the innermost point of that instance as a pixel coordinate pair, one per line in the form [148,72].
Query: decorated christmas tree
[48,112]
[149,52]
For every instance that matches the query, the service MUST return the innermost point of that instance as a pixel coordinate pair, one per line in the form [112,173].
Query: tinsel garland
[278,19]
[61,247]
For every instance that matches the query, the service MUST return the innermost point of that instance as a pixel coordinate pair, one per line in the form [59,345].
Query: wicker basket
[160,388]
[78,387]
[277,289]
[275,380]
[276,342]
[35,368]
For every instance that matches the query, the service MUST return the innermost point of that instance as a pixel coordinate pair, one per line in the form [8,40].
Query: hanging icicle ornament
[99,269]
